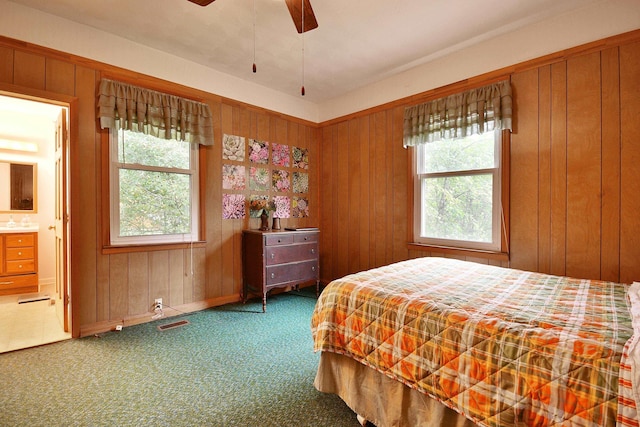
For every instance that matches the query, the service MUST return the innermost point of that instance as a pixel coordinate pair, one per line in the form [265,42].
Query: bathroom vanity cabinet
[18,263]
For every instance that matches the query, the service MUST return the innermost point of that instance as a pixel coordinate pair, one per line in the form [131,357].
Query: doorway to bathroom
[33,240]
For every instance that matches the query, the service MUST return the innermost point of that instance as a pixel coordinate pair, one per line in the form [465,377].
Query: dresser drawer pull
[273,256]
[20,266]
[273,275]
[306,238]
[313,268]
[279,240]
[19,240]
[6,283]
[313,251]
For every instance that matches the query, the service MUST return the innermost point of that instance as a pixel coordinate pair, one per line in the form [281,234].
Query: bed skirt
[379,399]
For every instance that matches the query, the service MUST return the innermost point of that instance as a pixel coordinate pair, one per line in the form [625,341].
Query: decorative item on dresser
[278,259]
[264,221]
[276,224]
[264,206]
[18,263]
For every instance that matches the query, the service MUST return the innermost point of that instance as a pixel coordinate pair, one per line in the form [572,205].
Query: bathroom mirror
[18,184]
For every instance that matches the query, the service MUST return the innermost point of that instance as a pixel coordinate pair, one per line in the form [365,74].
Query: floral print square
[233,147]
[233,206]
[233,177]
[300,207]
[300,182]
[258,151]
[280,180]
[280,155]
[259,179]
[283,207]
[300,158]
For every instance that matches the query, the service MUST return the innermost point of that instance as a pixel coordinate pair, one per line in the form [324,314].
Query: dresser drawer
[19,240]
[305,237]
[18,284]
[296,272]
[278,239]
[18,281]
[15,254]
[283,254]
[18,267]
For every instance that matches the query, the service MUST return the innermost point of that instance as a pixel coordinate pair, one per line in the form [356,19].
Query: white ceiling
[357,42]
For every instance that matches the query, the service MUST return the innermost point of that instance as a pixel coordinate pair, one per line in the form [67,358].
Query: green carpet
[230,366]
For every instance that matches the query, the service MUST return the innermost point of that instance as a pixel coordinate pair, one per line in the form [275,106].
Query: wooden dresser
[18,263]
[276,259]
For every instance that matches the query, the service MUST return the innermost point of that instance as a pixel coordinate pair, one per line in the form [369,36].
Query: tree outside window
[154,189]
[458,192]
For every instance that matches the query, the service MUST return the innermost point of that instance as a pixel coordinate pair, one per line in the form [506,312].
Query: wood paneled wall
[575,174]
[574,180]
[111,287]
[363,194]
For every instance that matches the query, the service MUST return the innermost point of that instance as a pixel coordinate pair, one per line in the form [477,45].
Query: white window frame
[114,199]
[497,211]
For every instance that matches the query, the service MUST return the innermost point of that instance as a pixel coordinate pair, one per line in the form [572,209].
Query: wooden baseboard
[110,325]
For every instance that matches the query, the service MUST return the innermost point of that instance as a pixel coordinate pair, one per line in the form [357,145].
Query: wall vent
[33,298]
[172,325]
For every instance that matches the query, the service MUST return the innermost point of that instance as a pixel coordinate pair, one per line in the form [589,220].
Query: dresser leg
[264,303]
[317,288]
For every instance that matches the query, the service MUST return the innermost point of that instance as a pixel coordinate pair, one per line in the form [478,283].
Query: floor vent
[173,325]
[33,298]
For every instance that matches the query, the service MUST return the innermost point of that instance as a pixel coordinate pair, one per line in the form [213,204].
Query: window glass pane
[472,152]
[138,148]
[154,203]
[458,208]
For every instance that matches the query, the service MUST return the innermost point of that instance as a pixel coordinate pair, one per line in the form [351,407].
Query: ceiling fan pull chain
[254,36]
[302,89]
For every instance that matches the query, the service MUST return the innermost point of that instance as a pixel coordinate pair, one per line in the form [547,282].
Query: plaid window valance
[154,113]
[456,116]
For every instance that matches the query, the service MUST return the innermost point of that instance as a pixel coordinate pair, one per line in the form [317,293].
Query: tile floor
[29,324]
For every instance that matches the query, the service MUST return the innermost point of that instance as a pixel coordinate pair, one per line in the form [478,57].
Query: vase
[276,223]
[264,226]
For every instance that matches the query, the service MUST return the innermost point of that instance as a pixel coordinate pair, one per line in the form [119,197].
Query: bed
[442,342]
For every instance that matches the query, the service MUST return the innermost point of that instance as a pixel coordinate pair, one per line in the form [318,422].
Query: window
[457,193]
[154,189]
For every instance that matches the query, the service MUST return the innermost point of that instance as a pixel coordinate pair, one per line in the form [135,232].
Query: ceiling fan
[296,9]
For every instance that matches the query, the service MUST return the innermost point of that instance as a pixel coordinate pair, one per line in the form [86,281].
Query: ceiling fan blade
[295,9]
[202,2]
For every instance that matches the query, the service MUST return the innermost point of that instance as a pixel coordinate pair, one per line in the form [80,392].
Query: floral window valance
[154,113]
[459,115]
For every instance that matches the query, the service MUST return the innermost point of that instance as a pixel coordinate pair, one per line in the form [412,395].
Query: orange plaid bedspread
[503,347]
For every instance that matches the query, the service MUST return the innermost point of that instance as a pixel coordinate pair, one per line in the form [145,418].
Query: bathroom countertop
[19,228]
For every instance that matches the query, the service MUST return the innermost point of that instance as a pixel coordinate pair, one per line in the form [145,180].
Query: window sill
[476,253]
[107,250]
